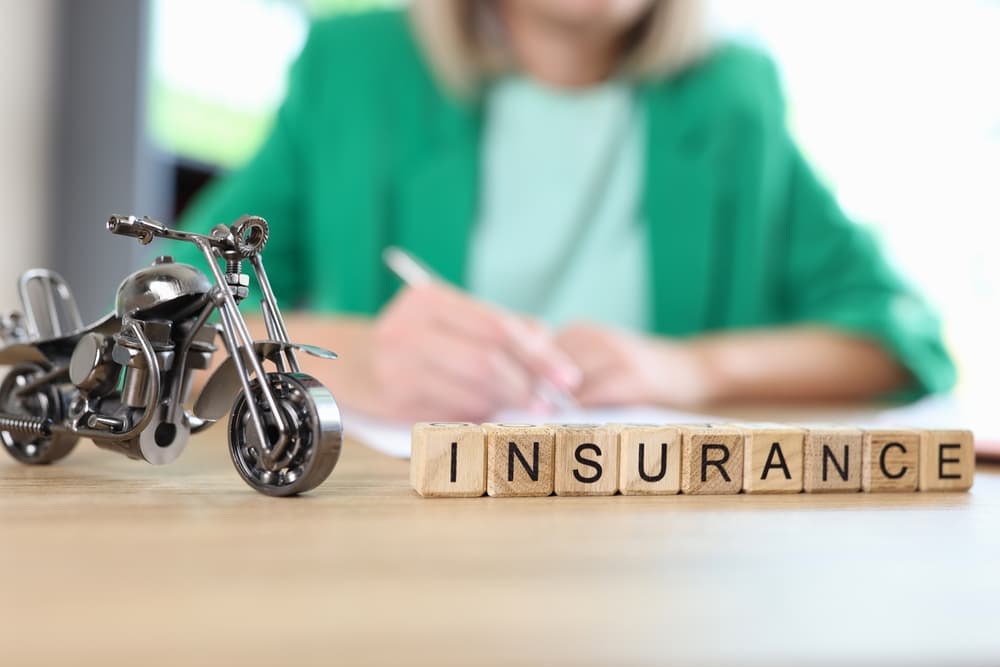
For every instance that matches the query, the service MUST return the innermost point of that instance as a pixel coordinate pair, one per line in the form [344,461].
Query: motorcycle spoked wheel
[316,435]
[45,403]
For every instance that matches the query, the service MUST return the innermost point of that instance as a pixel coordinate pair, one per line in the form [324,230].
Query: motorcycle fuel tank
[159,287]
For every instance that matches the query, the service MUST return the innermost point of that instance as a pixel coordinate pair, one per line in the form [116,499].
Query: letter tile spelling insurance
[947,460]
[890,460]
[649,459]
[520,460]
[772,462]
[586,460]
[448,460]
[832,459]
[711,459]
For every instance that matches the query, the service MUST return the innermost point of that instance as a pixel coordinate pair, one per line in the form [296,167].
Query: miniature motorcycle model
[124,380]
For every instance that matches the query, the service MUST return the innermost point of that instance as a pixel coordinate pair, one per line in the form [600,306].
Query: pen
[412,272]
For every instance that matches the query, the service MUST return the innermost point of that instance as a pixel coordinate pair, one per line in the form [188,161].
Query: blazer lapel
[679,206]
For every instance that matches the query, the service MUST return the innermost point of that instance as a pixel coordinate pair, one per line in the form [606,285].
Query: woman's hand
[621,368]
[436,353]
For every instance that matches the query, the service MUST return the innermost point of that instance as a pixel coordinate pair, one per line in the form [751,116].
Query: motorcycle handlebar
[143,229]
[243,239]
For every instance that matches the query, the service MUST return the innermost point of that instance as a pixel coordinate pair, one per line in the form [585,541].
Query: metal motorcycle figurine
[124,380]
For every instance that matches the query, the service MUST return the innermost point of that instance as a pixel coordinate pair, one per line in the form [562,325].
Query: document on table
[393,438]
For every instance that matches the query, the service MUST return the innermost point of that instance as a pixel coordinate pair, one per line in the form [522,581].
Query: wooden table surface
[109,561]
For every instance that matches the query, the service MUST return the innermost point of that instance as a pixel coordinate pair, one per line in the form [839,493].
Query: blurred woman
[614,201]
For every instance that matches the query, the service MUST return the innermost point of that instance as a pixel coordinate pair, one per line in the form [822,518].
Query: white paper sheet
[393,438]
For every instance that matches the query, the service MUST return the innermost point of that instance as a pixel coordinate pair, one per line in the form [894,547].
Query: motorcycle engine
[165,297]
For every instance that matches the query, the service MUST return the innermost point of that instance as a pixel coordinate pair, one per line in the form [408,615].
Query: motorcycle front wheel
[314,440]
[42,403]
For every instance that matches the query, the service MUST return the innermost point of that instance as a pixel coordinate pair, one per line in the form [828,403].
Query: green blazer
[369,150]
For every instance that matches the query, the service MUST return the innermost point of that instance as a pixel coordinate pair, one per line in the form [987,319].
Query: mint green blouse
[559,234]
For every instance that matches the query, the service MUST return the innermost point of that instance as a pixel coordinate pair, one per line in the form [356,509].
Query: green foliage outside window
[189,117]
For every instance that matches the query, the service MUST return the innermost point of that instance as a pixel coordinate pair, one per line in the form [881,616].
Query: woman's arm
[797,363]
[801,363]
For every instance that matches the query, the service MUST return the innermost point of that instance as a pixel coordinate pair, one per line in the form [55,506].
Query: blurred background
[132,105]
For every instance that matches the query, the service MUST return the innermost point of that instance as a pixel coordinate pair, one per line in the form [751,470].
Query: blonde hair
[464,41]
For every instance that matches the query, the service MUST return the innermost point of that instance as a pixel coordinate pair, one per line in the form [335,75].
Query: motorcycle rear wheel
[315,436]
[45,402]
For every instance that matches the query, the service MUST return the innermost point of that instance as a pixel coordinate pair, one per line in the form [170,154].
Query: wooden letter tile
[832,460]
[947,460]
[649,460]
[586,460]
[520,460]
[890,460]
[448,460]
[772,462]
[711,459]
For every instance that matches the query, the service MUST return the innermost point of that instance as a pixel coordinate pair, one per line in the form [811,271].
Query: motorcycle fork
[239,343]
[273,321]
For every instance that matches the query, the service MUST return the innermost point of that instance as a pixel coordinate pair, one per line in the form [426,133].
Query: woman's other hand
[791,364]
[622,368]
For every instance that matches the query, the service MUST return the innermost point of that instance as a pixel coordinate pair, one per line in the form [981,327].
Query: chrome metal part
[105,423]
[314,440]
[247,234]
[27,419]
[91,367]
[272,315]
[49,307]
[134,387]
[250,233]
[38,426]
[161,442]
[152,393]
[160,287]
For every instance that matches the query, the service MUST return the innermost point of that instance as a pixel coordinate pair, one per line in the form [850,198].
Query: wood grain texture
[711,459]
[947,460]
[112,562]
[520,460]
[832,459]
[772,459]
[448,460]
[890,460]
[586,460]
[649,460]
